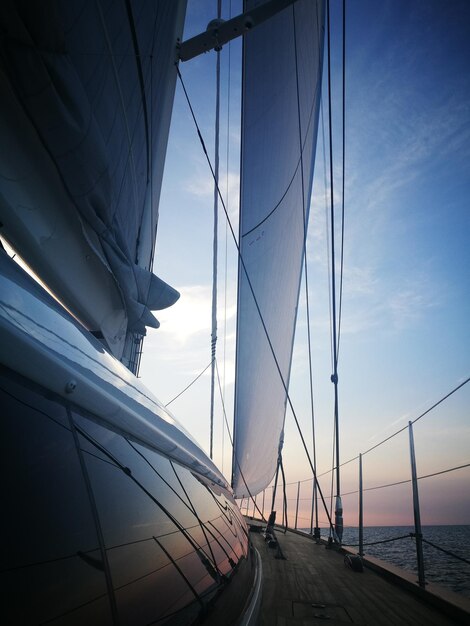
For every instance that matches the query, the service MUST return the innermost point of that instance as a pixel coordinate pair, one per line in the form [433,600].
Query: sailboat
[112,512]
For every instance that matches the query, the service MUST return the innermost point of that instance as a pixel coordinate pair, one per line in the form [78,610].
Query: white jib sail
[281,94]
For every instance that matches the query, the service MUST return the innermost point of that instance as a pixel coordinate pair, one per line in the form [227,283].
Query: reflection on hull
[101,527]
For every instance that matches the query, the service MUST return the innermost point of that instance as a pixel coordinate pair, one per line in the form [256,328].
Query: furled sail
[281,93]
[87,91]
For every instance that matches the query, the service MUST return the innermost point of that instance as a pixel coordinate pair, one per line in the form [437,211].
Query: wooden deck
[313,586]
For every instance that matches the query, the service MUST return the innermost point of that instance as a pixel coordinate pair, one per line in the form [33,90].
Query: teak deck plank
[312,574]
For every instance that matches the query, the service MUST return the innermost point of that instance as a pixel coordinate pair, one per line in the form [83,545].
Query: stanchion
[361,510]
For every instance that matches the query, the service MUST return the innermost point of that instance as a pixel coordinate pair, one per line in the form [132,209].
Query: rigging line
[375,543]
[408,480]
[325,186]
[333,469]
[93,507]
[334,377]
[401,429]
[419,416]
[73,555]
[189,506]
[180,572]
[310,368]
[223,405]
[309,342]
[188,386]
[202,526]
[250,285]
[448,552]
[304,143]
[192,542]
[215,243]
[231,443]
[343,175]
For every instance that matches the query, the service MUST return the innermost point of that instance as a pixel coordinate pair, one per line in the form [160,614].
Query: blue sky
[406,303]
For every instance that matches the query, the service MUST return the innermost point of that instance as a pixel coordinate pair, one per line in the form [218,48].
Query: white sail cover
[87,91]
[281,92]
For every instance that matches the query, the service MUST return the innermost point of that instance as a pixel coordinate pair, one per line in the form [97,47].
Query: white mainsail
[281,95]
[87,93]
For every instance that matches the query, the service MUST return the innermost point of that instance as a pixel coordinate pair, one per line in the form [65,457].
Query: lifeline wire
[401,429]
[408,480]
[190,384]
[231,442]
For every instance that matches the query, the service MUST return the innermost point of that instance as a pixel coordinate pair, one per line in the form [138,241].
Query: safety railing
[302,515]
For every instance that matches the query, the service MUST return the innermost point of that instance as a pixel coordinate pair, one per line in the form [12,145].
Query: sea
[439,567]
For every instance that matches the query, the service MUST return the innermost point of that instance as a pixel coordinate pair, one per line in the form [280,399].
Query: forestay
[281,91]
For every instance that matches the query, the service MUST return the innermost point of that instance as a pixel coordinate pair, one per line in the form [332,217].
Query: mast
[215,239]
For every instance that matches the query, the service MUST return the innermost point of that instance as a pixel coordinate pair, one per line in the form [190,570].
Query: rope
[448,552]
[410,535]
[190,385]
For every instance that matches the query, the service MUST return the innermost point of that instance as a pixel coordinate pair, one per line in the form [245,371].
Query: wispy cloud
[201,185]
[201,182]
[408,306]
[191,315]
[398,131]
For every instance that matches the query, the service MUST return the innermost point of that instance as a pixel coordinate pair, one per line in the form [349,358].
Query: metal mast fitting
[220,32]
